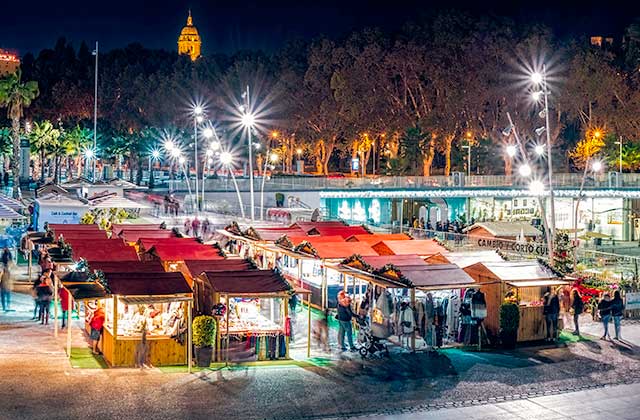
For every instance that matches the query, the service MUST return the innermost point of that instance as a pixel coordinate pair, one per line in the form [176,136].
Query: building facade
[189,41]
[9,62]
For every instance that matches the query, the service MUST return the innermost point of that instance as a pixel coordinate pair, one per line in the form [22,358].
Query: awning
[127,266]
[7,213]
[148,300]
[147,284]
[246,282]
[537,283]
[85,291]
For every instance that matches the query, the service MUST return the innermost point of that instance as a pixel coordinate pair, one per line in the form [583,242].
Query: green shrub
[509,318]
[204,330]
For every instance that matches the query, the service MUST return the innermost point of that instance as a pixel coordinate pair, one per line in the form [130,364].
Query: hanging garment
[283,346]
[478,305]
[407,320]
[420,318]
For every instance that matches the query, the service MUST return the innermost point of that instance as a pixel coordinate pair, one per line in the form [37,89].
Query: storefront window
[159,319]
[264,315]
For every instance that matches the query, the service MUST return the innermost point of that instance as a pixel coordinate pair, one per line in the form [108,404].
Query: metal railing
[302,183]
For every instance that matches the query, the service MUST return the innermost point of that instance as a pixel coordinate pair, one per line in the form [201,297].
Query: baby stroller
[370,344]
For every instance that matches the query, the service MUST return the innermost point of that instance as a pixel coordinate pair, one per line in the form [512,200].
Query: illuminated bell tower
[189,41]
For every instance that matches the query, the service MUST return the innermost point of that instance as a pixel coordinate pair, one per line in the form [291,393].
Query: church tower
[189,41]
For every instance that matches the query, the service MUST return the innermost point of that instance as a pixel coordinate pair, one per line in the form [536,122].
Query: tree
[75,142]
[562,261]
[15,96]
[42,139]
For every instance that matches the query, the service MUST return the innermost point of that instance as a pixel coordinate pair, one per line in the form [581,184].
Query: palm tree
[15,96]
[42,138]
[6,147]
[77,141]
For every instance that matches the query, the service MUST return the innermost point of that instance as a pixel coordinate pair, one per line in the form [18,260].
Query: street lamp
[511,150]
[227,159]
[619,142]
[197,119]
[155,155]
[468,135]
[524,170]
[248,120]
[539,79]
[536,188]
[596,166]
[539,149]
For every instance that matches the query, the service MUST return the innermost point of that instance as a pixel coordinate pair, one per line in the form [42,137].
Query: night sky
[228,26]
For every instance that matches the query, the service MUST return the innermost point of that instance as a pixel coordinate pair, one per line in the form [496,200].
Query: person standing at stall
[6,286]
[64,304]
[97,321]
[344,317]
[6,257]
[44,292]
[551,310]
[604,307]
[617,310]
[578,307]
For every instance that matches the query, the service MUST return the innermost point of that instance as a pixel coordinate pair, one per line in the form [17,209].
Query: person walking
[6,257]
[551,310]
[578,307]
[617,311]
[6,286]
[44,292]
[65,304]
[604,307]
[344,317]
[36,301]
[97,321]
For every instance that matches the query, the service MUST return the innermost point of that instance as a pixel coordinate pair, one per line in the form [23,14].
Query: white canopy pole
[69,326]
[56,285]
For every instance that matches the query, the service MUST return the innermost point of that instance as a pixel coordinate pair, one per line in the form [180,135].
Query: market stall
[253,319]
[57,209]
[423,247]
[525,282]
[173,256]
[155,304]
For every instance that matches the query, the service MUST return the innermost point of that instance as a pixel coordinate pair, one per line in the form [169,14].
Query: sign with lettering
[633,300]
[534,248]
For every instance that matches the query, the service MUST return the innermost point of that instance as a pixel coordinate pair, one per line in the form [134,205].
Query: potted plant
[509,323]
[204,330]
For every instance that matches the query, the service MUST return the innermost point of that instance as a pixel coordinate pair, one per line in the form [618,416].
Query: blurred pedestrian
[344,316]
[617,311]
[187,226]
[578,307]
[6,286]
[195,225]
[551,310]
[6,257]
[96,323]
[205,228]
[44,292]
[34,294]
[65,304]
[604,307]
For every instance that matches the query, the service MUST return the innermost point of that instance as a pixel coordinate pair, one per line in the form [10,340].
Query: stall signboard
[633,301]
[531,248]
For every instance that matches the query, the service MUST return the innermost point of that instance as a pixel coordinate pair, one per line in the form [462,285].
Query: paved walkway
[610,403]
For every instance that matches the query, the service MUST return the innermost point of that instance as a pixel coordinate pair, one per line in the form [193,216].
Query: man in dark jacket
[551,311]
[344,317]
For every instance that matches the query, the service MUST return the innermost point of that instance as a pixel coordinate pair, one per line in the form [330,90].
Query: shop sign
[532,248]
[633,301]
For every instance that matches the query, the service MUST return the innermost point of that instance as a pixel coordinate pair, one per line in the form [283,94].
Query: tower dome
[189,41]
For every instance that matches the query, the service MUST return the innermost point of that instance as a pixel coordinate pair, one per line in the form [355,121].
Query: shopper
[604,307]
[6,286]
[344,316]
[44,292]
[617,310]
[578,307]
[65,303]
[551,310]
[6,257]
[36,301]
[97,321]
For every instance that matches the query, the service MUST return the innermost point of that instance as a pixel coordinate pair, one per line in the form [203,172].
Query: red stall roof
[147,284]
[246,282]
[185,252]
[96,253]
[310,225]
[344,231]
[377,237]
[147,243]
[272,235]
[415,247]
[337,250]
[131,235]
[81,234]
[197,267]
[69,227]
[116,229]
[399,261]
[313,240]
[127,266]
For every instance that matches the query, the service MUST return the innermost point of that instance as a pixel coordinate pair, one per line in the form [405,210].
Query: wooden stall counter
[120,352]
[532,324]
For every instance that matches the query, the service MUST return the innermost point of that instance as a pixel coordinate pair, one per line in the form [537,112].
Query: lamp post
[468,136]
[197,118]
[227,159]
[95,109]
[248,120]
[88,155]
[540,79]
[619,142]
[208,134]
[155,155]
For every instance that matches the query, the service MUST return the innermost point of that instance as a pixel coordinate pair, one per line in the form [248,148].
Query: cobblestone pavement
[610,403]
[38,382]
